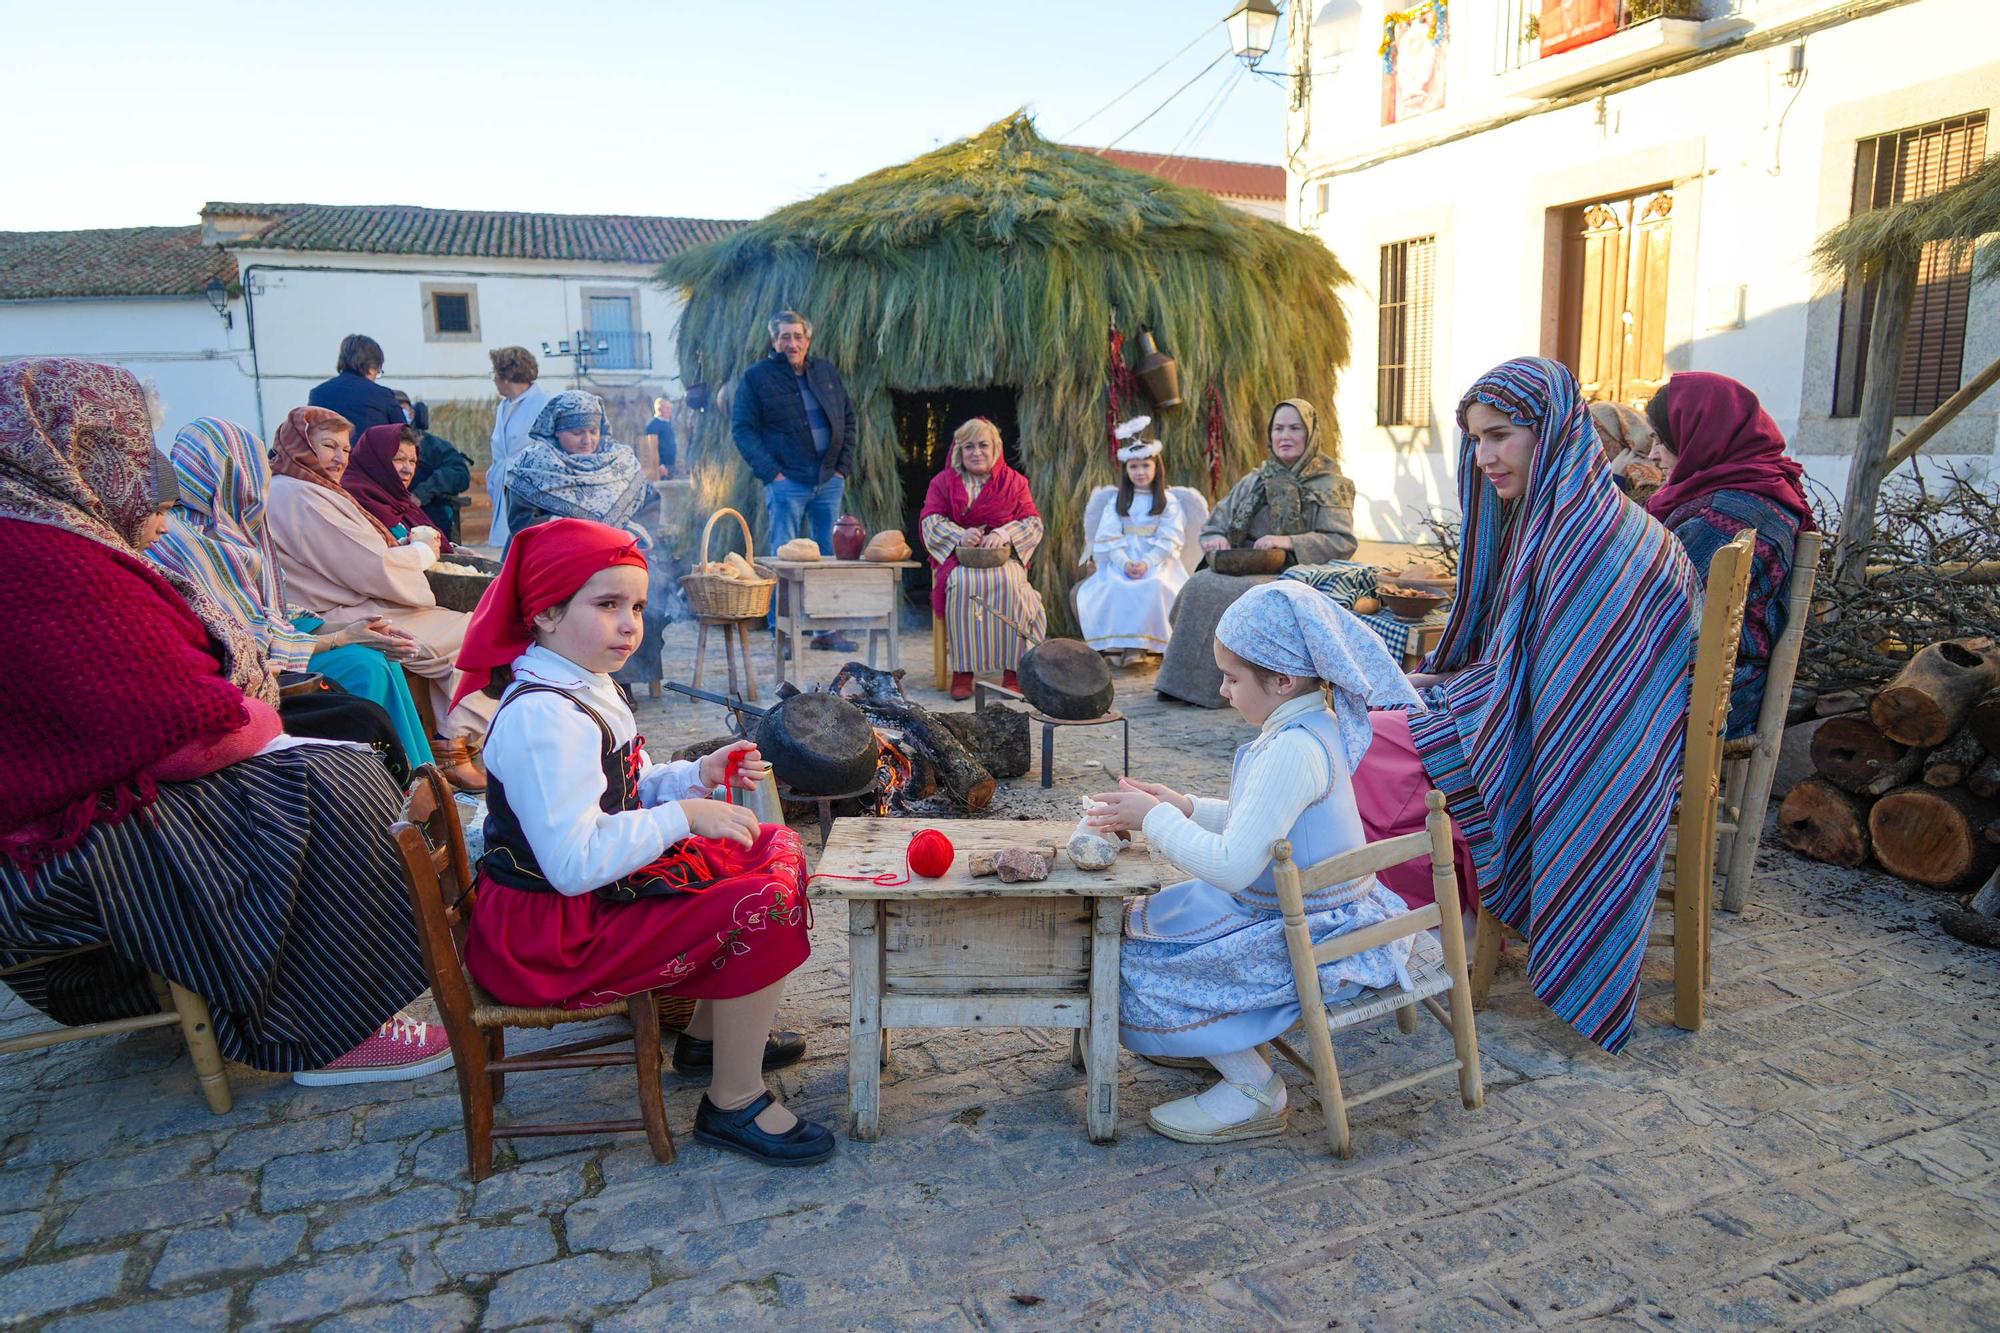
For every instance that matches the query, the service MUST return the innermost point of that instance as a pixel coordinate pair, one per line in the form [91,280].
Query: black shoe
[736,1131]
[692,1055]
[834,643]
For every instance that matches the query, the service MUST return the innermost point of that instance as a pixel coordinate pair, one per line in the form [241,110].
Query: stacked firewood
[1912,779]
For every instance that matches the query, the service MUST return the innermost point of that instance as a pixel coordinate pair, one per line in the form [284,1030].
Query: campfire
[924,754]
[895,777]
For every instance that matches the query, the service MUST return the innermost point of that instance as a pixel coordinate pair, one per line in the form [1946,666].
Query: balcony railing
[1528,30]
[614,349]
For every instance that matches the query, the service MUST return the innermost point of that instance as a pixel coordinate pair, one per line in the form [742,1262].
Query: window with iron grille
[454,312]
[1892,169]
[1403,333]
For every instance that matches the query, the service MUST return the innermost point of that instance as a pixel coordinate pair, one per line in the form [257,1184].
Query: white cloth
[1117,610]
[548,755]
[511,423]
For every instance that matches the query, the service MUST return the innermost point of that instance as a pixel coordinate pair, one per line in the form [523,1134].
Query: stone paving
[1822,1156]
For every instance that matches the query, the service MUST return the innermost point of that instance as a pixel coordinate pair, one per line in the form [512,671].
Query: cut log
[1802,705]
[996,735]
[1820,820]
[1984,779]
[1933,837]
[1984,722]
[1852,753]
[1951,763]
[963,778]
[1839,701]
[1931,697]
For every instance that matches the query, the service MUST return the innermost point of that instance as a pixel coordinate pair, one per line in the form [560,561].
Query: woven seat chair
[440,882]
[1684,904]
[1432,976]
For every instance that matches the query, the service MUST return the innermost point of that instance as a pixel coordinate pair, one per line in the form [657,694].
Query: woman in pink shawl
[991,616]
[383,489]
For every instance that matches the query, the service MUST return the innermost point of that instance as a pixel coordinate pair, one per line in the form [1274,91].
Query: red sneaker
[1010,680]
[401,1048]
[961,684]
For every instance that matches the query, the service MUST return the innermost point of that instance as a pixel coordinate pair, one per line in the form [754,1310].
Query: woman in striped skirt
[1554,705]
[991,615]
[149,802]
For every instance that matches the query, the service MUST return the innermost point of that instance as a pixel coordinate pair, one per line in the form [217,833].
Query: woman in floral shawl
[1297,502]
[991,615]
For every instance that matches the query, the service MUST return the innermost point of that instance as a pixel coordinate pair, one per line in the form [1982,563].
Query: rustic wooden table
[819,595]
[965,952]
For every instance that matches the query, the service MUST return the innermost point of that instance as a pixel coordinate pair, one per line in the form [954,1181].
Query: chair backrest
[1093,510]
[439,877]
[1294,884]
[1194,513]
[1708,704]
[1784,664]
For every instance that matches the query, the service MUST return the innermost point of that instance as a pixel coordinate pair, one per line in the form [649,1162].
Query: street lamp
[1252,25]
[218,297]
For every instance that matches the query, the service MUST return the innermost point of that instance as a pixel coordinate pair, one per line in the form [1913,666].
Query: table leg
[798,645]
[1101,1080]
[895,625]
[1048,755]
[864,1038]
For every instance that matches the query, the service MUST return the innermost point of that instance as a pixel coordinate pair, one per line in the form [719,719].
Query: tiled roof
[109,261]
[397,229]
[1241,180]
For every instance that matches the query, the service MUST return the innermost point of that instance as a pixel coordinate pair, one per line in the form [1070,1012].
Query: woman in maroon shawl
[990,615]
[1727,470]
[379,486]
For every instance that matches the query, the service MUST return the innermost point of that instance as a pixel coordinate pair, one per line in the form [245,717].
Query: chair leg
[1406,1020]
[1754,800]
[1464,1035]
[475,1099]
[700,652]
[646,1055]
[1690,952]
[939,655]
[1326,1076]
[1485,957]
[198,1030]
[496,1050]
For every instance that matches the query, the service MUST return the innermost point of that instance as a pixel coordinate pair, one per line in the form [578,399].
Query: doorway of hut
[925,420]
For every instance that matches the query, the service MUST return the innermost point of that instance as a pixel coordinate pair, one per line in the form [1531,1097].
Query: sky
[723,108]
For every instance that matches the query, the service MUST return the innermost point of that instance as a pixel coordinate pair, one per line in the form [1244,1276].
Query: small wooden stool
[734,632]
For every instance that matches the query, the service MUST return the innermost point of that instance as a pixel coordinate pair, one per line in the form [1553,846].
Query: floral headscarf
[293,456]
[605,487]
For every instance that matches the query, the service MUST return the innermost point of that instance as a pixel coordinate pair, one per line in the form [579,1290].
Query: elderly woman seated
[990,612]
[572,468]
[343,563]
[1297,504]
[149,802]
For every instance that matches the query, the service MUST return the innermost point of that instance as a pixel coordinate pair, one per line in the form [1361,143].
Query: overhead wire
[1141,83]
[1170,97]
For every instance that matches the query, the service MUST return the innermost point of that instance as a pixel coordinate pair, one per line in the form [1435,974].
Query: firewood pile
[1911,780]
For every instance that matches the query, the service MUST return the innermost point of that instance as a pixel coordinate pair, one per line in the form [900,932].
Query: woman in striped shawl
[1556,702]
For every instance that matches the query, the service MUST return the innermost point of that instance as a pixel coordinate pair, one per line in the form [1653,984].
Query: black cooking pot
[819,744]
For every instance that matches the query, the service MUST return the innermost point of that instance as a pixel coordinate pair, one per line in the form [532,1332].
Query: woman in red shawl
[260,875]
[1726,471]
[380,486]
[991,615]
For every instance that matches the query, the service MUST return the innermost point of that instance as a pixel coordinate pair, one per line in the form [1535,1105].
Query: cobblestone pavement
[1823,1155]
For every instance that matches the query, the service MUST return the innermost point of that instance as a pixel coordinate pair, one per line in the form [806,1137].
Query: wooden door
[1613,326]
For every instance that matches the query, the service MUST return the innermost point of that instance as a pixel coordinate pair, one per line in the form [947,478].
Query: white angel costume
[1118,610]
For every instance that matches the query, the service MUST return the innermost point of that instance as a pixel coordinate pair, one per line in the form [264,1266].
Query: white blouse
[1228,843]
[548,755]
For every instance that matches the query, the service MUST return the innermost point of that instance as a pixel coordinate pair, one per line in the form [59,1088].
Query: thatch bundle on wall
[998,263]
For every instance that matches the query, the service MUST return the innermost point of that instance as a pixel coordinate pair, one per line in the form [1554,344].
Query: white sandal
[1185,1121]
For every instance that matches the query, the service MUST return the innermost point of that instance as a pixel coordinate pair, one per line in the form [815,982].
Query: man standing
[794,425]
[353,391]
[521,401]
[661,428]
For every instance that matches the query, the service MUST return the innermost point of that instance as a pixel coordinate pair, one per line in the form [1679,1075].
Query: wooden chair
[1320,1019]
[1751,763]
[440,882]
[178,1005]
[1683,906]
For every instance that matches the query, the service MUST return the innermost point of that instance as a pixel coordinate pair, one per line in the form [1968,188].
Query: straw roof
[1958,217]
[1001,260]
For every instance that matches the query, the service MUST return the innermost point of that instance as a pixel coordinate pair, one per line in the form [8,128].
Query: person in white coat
[1123,606]
[515,371]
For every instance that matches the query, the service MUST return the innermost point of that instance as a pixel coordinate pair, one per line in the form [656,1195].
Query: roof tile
[407,230]
[109,261]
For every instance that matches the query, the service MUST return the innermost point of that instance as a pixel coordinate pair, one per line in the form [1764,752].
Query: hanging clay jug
[1158,373]
[848,538]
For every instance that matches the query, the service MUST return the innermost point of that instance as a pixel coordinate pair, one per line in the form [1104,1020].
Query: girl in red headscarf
[605,873]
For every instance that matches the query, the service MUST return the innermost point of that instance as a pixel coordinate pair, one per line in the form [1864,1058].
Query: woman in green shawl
[1298,502]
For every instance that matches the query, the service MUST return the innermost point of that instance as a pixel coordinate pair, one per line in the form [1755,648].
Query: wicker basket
[726,598]
[458,592]
[676,1012]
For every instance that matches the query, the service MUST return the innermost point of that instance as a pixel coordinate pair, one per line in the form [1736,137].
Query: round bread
[799,548]
[1241,561]
[889,545]
[1066,679]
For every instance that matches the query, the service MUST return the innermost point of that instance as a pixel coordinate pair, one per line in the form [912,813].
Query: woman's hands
[753,770]
[1423,680]
[1126,809]
[993,539]
[721,821]
[1215,543]
[1276,541]
[1136,569]
[430,537]
[370,632]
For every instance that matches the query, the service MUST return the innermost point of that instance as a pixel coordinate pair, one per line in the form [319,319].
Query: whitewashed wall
[1758,174]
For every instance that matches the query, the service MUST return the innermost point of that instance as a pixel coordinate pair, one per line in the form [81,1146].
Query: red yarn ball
[930,854]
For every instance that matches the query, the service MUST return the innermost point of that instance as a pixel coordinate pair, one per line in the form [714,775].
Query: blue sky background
[676,107]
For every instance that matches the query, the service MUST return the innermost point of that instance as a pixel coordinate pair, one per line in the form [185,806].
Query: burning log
[1852,753]
[1820,820]
[1931,697]
[1933,837]
[879,695]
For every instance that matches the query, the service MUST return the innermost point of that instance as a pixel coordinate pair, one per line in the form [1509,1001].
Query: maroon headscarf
[371,479]
[1003,499]
[1724,440]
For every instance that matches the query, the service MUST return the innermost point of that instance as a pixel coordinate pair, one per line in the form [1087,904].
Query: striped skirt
[992,616]
[271,889]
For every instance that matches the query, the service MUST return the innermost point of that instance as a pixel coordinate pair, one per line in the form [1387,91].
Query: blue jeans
[786,502]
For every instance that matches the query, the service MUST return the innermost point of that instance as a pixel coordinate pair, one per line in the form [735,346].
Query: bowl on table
[1239,561]
[1407,603]
[983,557]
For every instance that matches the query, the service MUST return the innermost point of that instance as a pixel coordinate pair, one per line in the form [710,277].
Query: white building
[1631,197]
[435,287]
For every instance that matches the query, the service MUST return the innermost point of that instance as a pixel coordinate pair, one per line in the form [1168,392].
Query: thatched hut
[983,279]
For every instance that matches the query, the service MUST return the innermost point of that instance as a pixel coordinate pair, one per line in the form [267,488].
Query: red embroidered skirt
[738,935]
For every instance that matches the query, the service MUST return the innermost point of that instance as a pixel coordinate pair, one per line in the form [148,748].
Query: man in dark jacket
[794,425]
[353,392]
[444,474]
